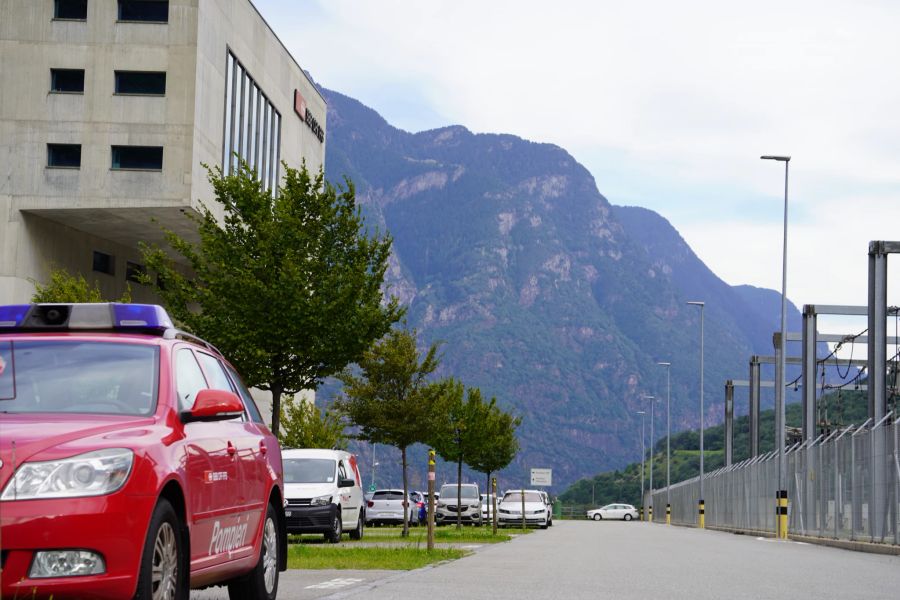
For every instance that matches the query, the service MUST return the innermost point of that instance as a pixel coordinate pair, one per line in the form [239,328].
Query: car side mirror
[214,405]
[346,483]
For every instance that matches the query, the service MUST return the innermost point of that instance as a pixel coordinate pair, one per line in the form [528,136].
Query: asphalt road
[617,560]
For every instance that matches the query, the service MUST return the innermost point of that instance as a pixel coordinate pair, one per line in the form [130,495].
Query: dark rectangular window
[64,155]
[74,10]
[137,157]
[104,263]
[155,11]
[147,83]
[134,271]
[67,80]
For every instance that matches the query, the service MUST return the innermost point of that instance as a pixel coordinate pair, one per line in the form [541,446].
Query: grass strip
[340,556]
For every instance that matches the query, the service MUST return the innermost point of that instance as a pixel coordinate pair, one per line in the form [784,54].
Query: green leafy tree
[305,426]
[462,432]
[289,288]
[498,443]
[391,400]
[65,287]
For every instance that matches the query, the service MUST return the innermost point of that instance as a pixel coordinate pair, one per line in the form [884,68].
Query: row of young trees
[289,288]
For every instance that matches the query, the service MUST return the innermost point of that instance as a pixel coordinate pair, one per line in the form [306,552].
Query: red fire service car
[134,461]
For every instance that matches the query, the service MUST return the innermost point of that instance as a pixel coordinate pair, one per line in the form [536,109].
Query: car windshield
[43,376]
[388,495]
[467,491]
[517,497]
[309,470]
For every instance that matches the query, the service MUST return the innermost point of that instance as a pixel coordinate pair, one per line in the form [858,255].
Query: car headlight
[321,501]
[441,505]
[474,505]
[90,474]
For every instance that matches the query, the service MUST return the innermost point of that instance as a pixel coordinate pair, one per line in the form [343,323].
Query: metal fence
[842,486]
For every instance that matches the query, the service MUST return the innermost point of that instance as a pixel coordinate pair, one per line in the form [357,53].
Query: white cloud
[668,104]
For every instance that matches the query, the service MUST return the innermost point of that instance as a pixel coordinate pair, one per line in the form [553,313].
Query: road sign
[542,477]
[372,488]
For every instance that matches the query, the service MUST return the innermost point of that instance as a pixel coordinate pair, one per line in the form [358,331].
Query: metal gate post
[754,406]
[729,422]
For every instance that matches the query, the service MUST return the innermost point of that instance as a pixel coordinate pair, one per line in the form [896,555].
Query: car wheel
[337,528]
[163,565]
[627,517]
[357,533]
[597,517]
[262,582]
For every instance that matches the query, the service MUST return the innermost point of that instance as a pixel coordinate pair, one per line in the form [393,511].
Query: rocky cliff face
[544,294]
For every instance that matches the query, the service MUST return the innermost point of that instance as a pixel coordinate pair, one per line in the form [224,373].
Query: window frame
[118,73]
[50,165]
[55,71]
[113,166]
[56,4]
[119,18]
[112,262]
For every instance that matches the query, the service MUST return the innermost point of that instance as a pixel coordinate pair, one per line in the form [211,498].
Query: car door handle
[231,449]
[262,447]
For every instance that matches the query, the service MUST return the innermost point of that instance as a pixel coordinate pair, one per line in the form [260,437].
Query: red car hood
[27,436]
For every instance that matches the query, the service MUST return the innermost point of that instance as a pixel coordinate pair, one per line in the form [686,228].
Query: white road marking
[333,584]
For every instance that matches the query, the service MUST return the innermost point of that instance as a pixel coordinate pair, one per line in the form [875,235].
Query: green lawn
[345,556]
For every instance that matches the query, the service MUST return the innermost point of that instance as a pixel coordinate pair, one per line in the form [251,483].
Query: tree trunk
[488,490]
[405,496]
[277,389]
[459,493]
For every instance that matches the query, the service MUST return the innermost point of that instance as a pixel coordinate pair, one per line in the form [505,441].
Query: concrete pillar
[809,372]
[729,422]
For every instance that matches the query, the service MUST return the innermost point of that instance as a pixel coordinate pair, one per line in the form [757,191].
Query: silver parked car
[625,512]
[467,505]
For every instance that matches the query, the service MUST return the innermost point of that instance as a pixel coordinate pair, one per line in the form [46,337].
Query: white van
[324,493]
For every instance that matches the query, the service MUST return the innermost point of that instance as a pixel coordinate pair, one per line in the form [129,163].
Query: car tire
[337,528]
[626,518]
[357,533]
[163,557]
[597,517]
[262,582]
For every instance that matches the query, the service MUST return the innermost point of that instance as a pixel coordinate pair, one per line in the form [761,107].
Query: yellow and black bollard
[431,499]
[701,515]
[668,514]
[641,512]
[781,512]
[650,513]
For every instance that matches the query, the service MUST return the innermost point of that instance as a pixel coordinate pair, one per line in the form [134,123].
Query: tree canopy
[391,399]
[288,287]
[305,426]
[65,287]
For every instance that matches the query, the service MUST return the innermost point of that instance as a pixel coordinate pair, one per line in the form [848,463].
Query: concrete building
[108,109]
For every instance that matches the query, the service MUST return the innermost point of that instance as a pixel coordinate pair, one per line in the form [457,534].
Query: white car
[509,510]
[460,503]
[625,512]
[549,504]
[387,506]
[487,507]
[324,493]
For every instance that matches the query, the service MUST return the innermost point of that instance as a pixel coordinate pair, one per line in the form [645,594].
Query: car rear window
[42,376]
[387,495]
[309,470]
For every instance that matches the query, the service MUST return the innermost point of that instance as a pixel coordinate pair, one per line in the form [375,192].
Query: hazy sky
[668,104]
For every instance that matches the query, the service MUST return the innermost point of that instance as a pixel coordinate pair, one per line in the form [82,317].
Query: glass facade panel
[252,128]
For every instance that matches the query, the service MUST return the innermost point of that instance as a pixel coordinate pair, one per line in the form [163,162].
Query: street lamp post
[668,367]
[781,493]
[701,518]
[652,400]
[642,413]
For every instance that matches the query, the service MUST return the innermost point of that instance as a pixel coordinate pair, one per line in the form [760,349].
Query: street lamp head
[641,412]
[648,397]
[664,364]
[696,303]
[778,158]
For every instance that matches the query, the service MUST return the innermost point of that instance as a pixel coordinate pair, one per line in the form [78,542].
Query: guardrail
[844,486]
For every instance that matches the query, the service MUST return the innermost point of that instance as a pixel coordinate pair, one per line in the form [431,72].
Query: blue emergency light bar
[100,316]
